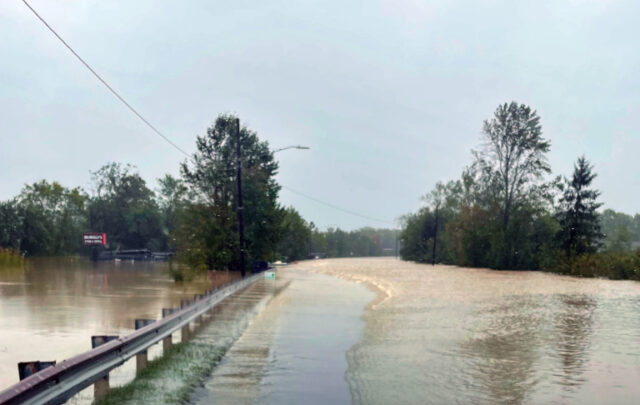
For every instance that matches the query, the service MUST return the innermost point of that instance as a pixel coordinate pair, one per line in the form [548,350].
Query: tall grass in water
[10,258]
[611,265]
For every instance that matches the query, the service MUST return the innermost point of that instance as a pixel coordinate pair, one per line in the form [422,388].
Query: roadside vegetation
[193,215]
[508,212]
[171,378]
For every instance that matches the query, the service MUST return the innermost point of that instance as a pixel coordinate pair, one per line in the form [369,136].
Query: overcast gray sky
[389,95]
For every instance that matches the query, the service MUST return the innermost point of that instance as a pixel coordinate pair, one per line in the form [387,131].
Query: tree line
[193,214]
[507,212]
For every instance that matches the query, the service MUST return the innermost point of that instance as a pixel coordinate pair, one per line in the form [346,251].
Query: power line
[166,139]
[111,89]
[335,207]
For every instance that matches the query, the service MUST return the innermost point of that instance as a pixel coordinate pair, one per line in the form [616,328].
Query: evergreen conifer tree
[580,225]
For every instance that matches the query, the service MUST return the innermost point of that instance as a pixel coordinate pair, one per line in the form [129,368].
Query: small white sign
[269,274]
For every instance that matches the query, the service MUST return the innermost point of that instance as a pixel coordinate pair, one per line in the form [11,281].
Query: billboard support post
[94,239]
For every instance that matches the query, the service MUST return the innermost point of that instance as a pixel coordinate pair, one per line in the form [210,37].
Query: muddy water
[49,310]
[430,334]
[452,335]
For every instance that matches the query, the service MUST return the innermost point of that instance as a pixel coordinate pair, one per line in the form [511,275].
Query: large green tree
[513,159]
[211,175]
[497,214]
[10,225]
[125,208]
[53,218]
[295,241]
[509,172]
[620,230]
[417,236]
[173,199]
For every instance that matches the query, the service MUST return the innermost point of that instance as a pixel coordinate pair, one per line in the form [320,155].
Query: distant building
[317,255]
[135,254]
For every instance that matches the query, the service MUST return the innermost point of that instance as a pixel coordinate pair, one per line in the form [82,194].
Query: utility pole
[435,239]
[396,243]
[240,206]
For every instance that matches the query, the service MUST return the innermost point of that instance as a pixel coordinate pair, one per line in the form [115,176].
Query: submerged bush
[10,258]
[182,272]
[612,265]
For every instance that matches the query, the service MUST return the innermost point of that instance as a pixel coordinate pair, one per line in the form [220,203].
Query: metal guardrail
[58,383]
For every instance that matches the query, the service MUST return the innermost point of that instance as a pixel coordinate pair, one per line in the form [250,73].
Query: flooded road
[453,335]
[363,331]
[293,352]
[49,310]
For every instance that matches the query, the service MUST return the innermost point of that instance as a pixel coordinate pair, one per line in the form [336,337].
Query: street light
[275,151]
[240,207]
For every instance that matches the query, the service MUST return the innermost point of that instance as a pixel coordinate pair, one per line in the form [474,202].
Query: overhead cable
[165,138]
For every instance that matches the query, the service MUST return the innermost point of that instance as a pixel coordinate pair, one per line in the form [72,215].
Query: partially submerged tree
[53,218]
[172,200]
[497,214]
[620,240]
[10,225]
[125,208]
[620,230]
[295,242]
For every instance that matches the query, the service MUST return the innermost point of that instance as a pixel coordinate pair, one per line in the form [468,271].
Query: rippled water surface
[453,335]
[417,334]
[49,310]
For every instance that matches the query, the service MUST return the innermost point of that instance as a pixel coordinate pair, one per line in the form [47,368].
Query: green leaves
[125,208]
[295,236]
[498,214]
[211,177]
[577,214]
[45,219]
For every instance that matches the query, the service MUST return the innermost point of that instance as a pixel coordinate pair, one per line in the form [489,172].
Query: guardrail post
[101,387]
[166,342]
[186,332]
[141,358]
[215,292]
[198,319]
[28,368]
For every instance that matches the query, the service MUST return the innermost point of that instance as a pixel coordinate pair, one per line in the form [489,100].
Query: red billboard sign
[93,238]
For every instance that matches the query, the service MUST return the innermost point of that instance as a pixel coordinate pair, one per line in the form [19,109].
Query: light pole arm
[290,147]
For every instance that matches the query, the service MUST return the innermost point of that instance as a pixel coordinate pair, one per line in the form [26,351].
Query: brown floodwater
[417,334]
[453,335]
[50,309]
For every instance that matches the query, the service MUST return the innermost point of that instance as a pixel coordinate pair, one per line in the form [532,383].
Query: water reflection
[504,349]
[49,310]
[439,334]
[453,335]
[573,325]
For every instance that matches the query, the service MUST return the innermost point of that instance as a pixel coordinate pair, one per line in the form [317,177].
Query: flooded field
[49,310]
[452,335]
